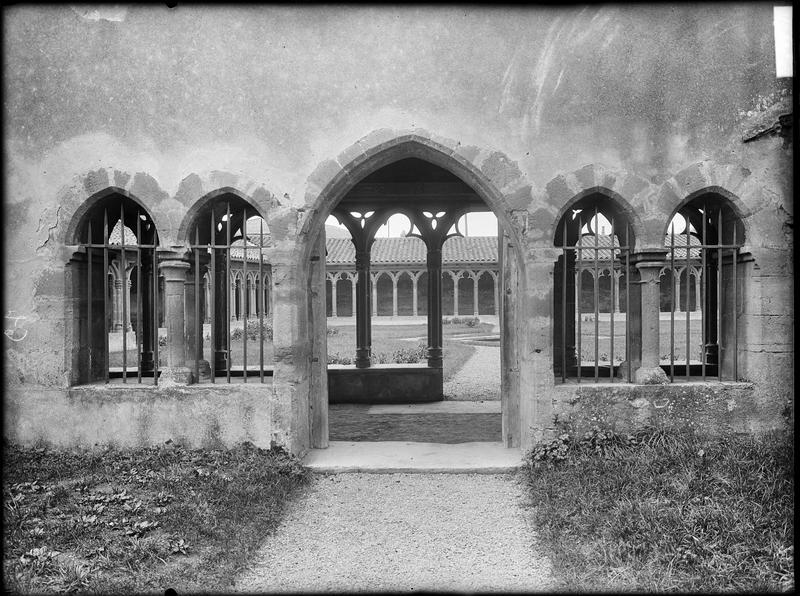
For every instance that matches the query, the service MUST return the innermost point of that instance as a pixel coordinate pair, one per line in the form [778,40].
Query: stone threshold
[437,407]
[391,457]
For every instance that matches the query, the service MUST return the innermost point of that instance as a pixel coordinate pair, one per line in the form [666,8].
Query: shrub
[332,331]
[237,334]
[335,358]
[254,329]
[410,355]
[471,322]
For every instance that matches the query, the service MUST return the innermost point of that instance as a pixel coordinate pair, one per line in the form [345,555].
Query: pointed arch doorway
[433,188]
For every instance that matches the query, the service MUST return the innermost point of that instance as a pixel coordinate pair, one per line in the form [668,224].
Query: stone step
[389,457]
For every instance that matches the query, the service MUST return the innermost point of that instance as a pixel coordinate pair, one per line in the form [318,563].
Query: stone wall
[288,108]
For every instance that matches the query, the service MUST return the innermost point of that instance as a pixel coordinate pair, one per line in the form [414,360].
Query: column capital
[174,270]
[650,272]
[652,257]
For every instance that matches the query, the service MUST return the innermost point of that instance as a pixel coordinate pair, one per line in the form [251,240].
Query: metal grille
[597,254]
[229,242]
[142,256]
[716,261]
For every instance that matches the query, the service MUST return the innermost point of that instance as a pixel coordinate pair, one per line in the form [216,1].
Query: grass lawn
[386,341]
[666,511]
[130,521]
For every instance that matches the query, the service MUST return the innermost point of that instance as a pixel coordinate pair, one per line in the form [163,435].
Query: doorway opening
[412,305]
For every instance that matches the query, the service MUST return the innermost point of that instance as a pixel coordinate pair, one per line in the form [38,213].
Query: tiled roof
[588,241]
[472,249]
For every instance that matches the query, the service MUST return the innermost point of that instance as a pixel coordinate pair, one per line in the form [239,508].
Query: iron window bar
[231,296]
[106,248]
[618,254]
[711,309]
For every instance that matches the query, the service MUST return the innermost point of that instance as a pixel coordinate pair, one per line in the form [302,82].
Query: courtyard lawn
[387,340]
[666,511]
[133,521]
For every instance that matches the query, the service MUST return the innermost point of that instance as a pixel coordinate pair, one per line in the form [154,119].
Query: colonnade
[414,275]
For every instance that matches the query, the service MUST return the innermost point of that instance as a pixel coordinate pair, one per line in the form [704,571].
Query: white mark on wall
[17,331]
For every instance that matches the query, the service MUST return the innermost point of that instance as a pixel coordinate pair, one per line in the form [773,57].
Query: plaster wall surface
[283,105]
[141,415]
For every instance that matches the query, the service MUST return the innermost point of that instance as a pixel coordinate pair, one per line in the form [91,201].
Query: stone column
[149,300]
[126,315]
[394,294]
[650,371]
[677,281]
[116,305]
[495,283]
[435,359]
[374,279]
[222,303]
[615,277]
[363,310]
[252,305]
[174,273]
[697,306]
[333,294]
[414,280]
[353,284]
[475,295]
[207,295]
[455,292]
[194,337]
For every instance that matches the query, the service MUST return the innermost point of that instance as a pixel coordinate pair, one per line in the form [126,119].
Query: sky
[472,224]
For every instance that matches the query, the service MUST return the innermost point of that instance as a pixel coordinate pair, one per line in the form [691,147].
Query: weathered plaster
[288,107]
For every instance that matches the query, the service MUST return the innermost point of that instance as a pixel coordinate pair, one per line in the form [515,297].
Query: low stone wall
[385,384]
[714,408]
[140,415]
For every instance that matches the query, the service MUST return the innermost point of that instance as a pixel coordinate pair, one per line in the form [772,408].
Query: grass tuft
[116,520]
[666,511]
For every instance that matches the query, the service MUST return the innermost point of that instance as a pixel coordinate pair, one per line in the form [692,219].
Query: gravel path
[478,379]
[401,532]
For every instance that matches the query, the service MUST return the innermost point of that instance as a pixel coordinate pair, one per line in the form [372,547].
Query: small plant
[237,334]
[410,355]
[332,331]
[254,329]
[336,358]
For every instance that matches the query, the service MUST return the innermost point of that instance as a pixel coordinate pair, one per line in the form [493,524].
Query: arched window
[590,334]
[115,281]
[703,244]
[229,241]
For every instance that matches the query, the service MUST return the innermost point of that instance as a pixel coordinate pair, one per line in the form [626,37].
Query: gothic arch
[618,205]
[493,176]
[198,207]
[728,181]
[627,192]
[728,199]
[72,230]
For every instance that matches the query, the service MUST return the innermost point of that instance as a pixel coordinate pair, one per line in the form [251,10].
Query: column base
[650,376]
[220,360]
[175,375]
[363,359]
[435,359]
[147,361]
[204,369]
